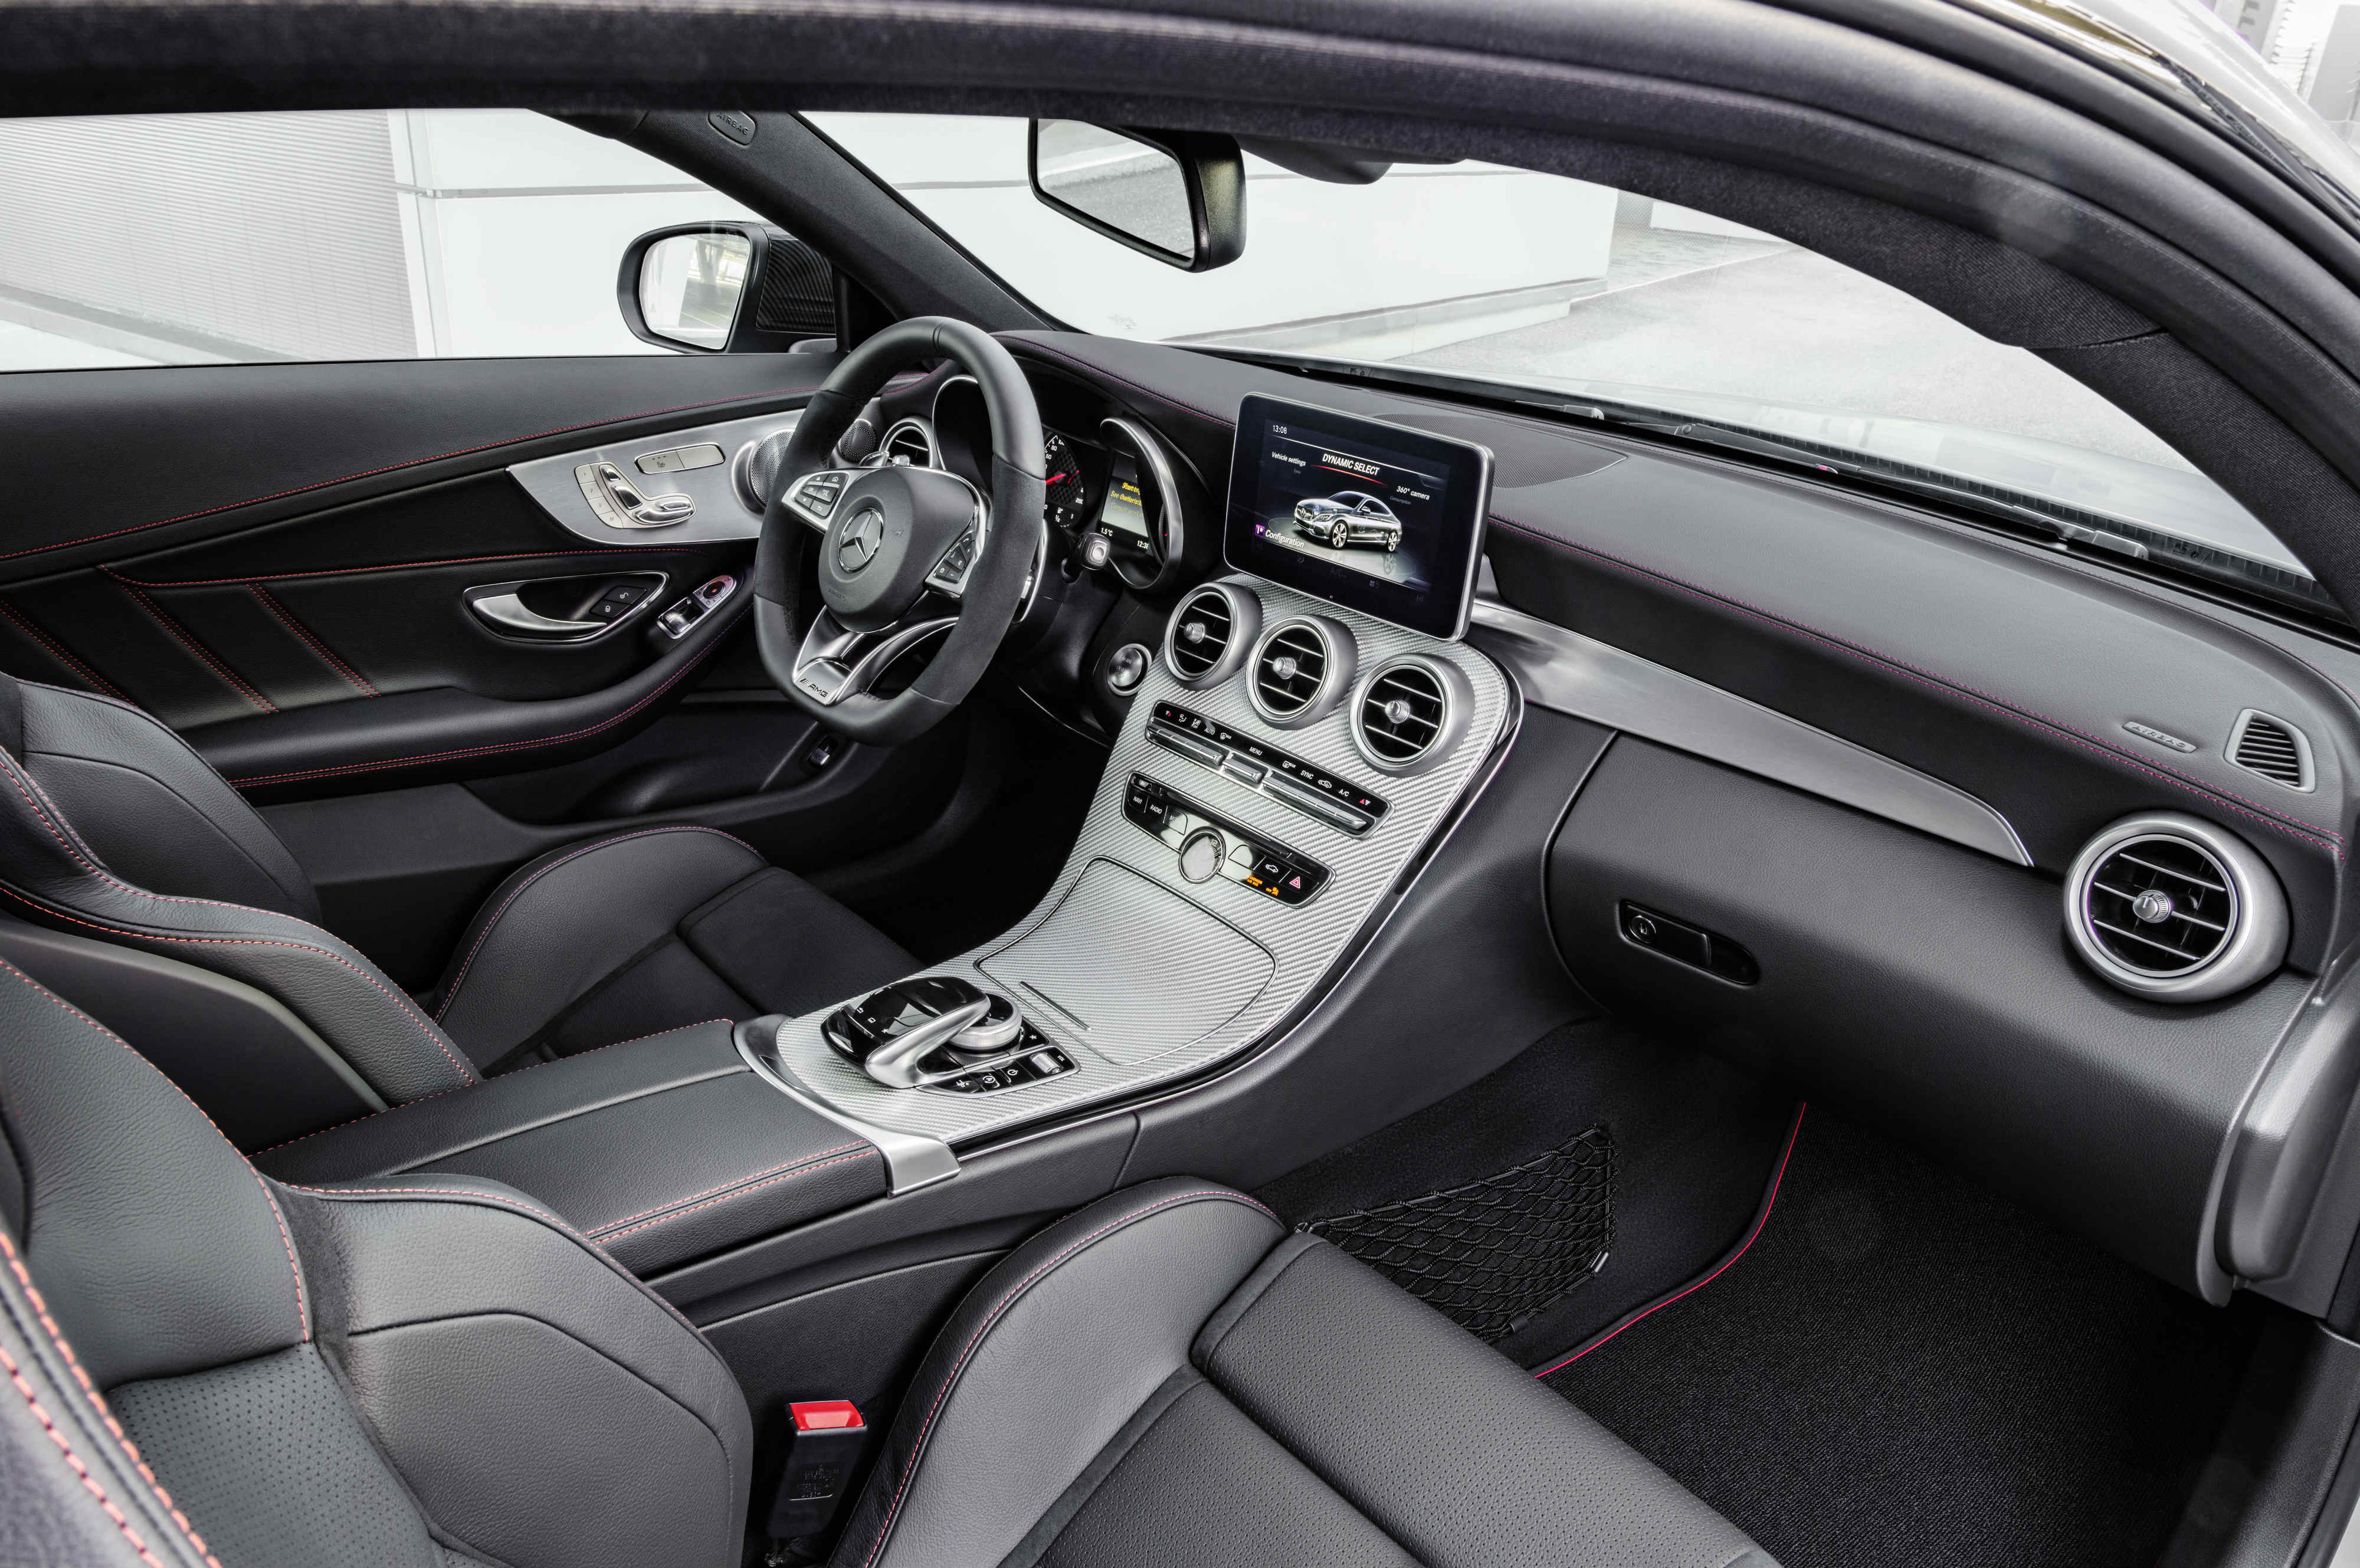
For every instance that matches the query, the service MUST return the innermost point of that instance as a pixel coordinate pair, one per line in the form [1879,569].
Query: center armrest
[659,1150]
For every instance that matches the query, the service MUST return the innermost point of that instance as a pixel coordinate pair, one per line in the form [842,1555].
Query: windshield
[1536,281]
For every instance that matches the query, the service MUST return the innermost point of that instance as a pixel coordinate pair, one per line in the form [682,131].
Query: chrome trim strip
[1569,673]
[911,1160]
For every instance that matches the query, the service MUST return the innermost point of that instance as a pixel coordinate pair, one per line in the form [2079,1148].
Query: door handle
[595,605]
[622,505]
[508,610]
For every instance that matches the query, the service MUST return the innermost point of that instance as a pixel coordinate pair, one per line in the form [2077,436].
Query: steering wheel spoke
[814,497]
[835,663]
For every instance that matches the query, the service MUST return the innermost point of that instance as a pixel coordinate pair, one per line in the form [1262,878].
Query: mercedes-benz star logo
[863,537]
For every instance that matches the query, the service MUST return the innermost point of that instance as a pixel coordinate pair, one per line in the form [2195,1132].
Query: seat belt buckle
[823,1445]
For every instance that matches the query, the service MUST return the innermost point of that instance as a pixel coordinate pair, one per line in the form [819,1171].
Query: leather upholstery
[646,929]
[112,827]
[660,1150]
[430,1368]
[1167,1376]
[416,1371]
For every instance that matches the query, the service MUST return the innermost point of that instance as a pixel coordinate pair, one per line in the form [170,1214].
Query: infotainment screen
[1377,518]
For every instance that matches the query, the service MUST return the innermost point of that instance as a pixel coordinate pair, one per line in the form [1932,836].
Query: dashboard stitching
[2325,838]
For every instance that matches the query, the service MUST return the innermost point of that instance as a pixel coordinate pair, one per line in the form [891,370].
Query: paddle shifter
[938,1031]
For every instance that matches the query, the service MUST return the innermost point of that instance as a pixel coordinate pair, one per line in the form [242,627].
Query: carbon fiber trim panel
[1144,943]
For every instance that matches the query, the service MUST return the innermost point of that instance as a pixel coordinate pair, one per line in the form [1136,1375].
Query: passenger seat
[211,1366]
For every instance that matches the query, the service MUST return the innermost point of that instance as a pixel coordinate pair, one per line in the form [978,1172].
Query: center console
[1309,726]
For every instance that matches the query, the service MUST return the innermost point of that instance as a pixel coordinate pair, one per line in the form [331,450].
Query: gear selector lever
[940,1031]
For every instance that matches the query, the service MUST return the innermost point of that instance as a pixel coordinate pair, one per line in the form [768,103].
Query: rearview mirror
[1178,196]
[726,287]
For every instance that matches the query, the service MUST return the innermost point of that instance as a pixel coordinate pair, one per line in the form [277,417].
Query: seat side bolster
[1043,1365]
[1356,1377]
[153,809]
[468,1317]
[565,920]
[54,878]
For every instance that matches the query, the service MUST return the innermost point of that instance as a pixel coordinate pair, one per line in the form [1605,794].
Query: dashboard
[1872,799]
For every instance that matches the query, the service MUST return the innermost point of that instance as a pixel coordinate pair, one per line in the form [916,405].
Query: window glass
[1535,280]
[190,239]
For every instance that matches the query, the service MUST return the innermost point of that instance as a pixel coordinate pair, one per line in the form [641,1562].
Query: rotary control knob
[1097,551]
[1201,852]
[1126,667]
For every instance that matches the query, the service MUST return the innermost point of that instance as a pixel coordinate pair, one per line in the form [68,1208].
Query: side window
[197,239]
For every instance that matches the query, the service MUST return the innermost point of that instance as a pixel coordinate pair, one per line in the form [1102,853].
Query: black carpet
[1907,1370]
[1694,1139]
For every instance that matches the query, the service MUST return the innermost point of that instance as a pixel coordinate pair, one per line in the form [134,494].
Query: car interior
[911,928]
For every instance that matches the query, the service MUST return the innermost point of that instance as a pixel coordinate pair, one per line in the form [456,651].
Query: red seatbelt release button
[821,1451]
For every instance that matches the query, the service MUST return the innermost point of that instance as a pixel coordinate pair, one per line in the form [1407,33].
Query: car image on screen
[1347,518]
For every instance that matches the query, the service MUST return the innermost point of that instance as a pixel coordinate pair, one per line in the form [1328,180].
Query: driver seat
[112,826]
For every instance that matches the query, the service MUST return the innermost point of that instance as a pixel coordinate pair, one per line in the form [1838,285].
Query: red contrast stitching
[18,777]
[269,602]
[2325,838]
[518,892]
[1760,1220]
[203,655]
[98,1403]
[371,1115]
[609,723]
[57,652]
[586,552]
[406,463]
[950,1381]
[723,1194]
[515,1206]
[303,1307]
[79,1014]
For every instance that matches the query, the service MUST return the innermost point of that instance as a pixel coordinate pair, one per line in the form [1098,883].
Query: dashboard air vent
[909,441]
[1202,635]
[1293,667]
[2271,747]
[2173,907]
[1402,714]
[2161,906]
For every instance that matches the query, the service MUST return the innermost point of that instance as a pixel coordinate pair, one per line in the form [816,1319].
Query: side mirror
[727,289]
[1178,196]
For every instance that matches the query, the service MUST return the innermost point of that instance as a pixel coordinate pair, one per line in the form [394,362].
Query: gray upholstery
[417,1371]
[1167,1376]
[112,827]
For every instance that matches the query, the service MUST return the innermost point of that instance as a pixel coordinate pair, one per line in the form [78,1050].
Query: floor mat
[1491,1254]
[1905,1369]
[1694,1139]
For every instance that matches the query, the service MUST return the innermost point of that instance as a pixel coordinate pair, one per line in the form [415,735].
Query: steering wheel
[898,544]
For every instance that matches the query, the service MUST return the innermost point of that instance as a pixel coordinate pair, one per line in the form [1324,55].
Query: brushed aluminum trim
[1569,673]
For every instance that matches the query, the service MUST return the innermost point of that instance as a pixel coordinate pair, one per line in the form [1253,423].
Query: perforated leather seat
[113,826]
[210,1367]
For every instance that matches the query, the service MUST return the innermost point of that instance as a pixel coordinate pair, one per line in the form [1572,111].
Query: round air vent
[2170,906]
[1209,634]
[1300,669]
[910,441]
[1410,712]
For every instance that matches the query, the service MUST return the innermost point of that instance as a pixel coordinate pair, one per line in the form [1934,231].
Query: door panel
[273,559]
[139,460]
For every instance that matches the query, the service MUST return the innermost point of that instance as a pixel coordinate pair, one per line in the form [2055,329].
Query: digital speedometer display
[1069,483]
